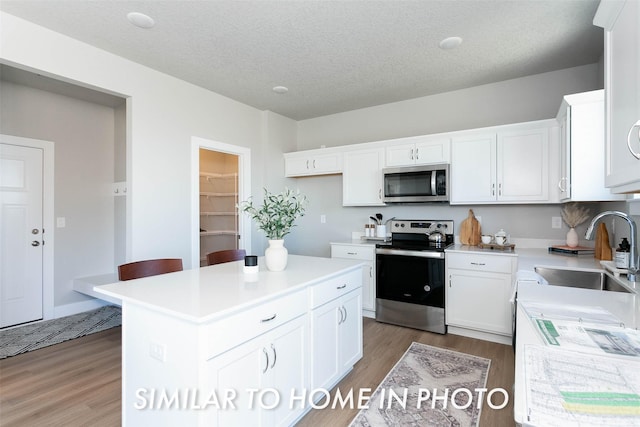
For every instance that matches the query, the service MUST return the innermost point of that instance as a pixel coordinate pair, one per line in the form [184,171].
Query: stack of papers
[588,371]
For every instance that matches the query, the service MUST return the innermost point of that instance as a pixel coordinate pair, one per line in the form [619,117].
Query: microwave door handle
[433,183]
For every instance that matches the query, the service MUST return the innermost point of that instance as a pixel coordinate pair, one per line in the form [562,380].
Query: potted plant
[275,217]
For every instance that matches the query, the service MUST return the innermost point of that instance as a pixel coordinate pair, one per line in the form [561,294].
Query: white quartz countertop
[620,304]
[204,294]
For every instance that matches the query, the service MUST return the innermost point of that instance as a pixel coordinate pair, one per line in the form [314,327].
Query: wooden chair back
[150,267]
[225,256]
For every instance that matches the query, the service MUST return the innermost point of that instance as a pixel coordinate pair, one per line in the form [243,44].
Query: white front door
[21,239]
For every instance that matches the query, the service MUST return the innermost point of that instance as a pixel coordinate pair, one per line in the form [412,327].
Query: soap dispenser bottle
[622,254]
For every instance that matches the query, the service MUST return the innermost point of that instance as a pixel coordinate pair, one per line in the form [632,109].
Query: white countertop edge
[221,313]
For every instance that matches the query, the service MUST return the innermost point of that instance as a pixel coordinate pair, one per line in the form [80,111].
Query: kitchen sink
[580,279]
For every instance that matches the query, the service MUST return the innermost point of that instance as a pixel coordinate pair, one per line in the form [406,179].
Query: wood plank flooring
[78,382]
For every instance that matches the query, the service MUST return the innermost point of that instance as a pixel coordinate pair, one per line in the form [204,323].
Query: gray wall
[83,134]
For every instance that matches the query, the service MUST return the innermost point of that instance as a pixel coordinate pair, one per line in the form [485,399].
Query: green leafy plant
[278,212]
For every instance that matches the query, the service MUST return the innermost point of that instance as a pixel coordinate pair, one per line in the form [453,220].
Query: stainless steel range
[410,283]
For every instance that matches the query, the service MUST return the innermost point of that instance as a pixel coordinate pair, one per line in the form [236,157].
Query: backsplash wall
[310,237]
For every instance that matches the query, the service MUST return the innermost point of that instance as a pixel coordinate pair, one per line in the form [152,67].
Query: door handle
[35,243]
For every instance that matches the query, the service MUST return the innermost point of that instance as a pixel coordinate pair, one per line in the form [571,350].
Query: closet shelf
[218,175]
[210,194]
[219,233]
[218,213]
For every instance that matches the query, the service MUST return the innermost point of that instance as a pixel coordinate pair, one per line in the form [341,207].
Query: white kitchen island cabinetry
[479,286]
[366,252]
[322,161]
[196,336]
[419,150]
[621,22]
[506,164]
[337,324]
[362,177]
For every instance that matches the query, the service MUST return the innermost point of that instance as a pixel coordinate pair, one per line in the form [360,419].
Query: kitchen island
[215,347]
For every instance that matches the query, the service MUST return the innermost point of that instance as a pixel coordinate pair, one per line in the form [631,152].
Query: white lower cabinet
[336,322]
[478,291]
[337,342]
[366,253]
[265,372]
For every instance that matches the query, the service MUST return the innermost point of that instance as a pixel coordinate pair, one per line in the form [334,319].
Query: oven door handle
[420,254]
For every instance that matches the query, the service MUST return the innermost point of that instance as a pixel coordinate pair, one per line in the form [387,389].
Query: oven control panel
[421,226]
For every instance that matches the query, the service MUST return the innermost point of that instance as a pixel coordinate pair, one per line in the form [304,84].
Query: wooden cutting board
[603,249]
[470,230]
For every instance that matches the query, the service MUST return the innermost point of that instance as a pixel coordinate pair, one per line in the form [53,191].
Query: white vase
[275,255]
[572,238]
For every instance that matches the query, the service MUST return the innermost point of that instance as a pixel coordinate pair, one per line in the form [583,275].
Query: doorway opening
[221,178]
[218,200]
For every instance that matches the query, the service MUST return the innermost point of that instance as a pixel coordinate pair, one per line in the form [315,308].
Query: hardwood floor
[78,382]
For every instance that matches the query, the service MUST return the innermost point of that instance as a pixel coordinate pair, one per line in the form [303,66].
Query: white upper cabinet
[621,22]
[420,150]
[362,177]
[312,162]
[581,120]
[507,164]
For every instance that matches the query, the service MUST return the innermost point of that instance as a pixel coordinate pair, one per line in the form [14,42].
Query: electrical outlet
[157,351]
[479,218]
[61,222]
[556,222]
[323,219]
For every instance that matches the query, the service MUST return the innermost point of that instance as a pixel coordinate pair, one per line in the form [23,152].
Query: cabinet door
[564,185]
[523,165]
[326,164]
[350,330]
[479,300]
[276,360]
[473,169]
[296,165]
[622,90]
[400,155]
[368,287]
[362,178]
[312,163]
[324,359]
[429,151]
[288,369]
[241,369]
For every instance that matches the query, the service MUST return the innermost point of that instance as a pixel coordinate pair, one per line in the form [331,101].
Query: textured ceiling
[334,56]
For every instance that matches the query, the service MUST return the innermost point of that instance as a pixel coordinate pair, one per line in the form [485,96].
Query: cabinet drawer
[499,264]
[335,287]
[231,331]
[353,252]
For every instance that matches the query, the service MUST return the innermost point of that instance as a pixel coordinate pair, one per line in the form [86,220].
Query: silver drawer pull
[269,319]
[342,287]
[352,253]
[478,263]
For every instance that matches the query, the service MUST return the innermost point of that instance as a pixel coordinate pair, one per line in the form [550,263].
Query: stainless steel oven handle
[420,254]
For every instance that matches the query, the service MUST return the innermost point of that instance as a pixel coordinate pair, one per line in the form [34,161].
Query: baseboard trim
[78,307]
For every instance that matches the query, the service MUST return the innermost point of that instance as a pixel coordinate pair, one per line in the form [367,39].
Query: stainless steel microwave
[414,184]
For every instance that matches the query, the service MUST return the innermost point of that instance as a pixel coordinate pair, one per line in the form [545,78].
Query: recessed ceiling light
[450,43]
[140,20]
[280,89]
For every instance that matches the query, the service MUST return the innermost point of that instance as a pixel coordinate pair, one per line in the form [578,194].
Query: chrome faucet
[632,276]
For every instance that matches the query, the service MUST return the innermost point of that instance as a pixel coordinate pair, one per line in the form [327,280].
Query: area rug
[25,338]
[406,395]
